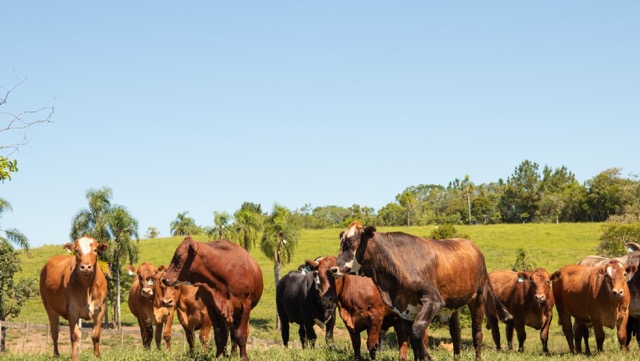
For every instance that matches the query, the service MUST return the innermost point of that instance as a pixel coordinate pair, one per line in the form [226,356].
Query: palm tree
[279,240]
[183,225]
[12,235]
[468,186]
[92,221]
[123,228]
[248,224]
[221,227]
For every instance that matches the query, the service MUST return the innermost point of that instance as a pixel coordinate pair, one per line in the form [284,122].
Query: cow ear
[555,276]
[341,234]
[193,246]
[131,270]
[313,264]
[369,231]
[521,277]
[161,268]
[632,246]
[101,247]
[631,268]
[70,247]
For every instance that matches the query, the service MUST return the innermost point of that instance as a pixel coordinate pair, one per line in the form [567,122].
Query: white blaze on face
[350,232]
[353,265]
[610,271]
[85,245]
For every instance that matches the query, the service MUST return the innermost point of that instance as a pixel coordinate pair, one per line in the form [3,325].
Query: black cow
[298,301]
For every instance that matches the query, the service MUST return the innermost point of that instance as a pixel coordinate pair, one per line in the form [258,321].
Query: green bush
[614,235]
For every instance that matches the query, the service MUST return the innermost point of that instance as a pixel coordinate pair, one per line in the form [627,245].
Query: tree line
[530,194]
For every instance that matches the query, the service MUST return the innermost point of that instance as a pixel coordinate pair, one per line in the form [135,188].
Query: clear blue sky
[199,106]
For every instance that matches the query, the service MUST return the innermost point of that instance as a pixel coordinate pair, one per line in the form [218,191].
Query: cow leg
[622,333]
[310,332]
[145,332]
[356,343]
[521,333]
[581,332]
[55,329]
[220,331]
[303,336]
[97,329]
[430,307]
[284,328]
[402,328]
[600,336]
[205,330]
[373,336]
[381,339]
[189,335]
[328,337]
[565,321]
[241,331]
[166,332]
[492,324]
[157,335]
[454,331]
[508,333]
[544,335]
[477,315]
[74,335]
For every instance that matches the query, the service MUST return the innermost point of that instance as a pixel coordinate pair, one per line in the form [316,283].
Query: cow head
[353,243]
[325,282]
[614,274]
[539,284]
[181,262]
[86,251]
[147,277]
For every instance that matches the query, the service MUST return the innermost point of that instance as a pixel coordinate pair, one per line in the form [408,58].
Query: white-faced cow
[530,301]
[298,301]
[74,287]
[632,258]
[597,296]
[146,304]
[421,278]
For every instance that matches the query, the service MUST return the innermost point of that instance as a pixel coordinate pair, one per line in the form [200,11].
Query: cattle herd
[377,280]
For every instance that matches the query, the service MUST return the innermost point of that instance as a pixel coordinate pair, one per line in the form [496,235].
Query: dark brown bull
[361,307]
[145,302]
[231,281]
[530,301]
[75,288]
[421,278]
[192,312]
[598,296]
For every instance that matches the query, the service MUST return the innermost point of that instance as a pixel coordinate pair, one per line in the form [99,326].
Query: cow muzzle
[540,299]
[335,271]
[617,293]
[86,268]
[147,292]
[167,302]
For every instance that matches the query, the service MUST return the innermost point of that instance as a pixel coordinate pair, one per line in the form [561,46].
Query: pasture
[550,245]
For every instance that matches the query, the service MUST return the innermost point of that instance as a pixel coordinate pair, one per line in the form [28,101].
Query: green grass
[552,245]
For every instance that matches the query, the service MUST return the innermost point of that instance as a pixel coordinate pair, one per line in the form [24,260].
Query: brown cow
[75,288]
[592,295]
[361,307]
[632,258]
[232,281]
[192,312]
[145,302]
[530,301]
[421,278]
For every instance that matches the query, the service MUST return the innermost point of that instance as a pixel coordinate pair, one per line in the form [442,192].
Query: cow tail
[496,306]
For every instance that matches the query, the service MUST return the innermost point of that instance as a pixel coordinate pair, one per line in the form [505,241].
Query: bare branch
[20,122]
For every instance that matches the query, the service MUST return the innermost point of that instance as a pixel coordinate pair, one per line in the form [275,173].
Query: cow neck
[340,285]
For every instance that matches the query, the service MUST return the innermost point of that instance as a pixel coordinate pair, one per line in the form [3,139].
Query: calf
[192,312]
[74,287]
[592,295]
[298,300]
[529,299]
[361,307]
[145,302]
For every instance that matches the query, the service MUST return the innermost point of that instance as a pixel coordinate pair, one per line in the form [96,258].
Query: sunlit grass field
[549,245]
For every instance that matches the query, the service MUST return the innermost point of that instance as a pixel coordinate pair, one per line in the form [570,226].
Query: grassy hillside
[553,245]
